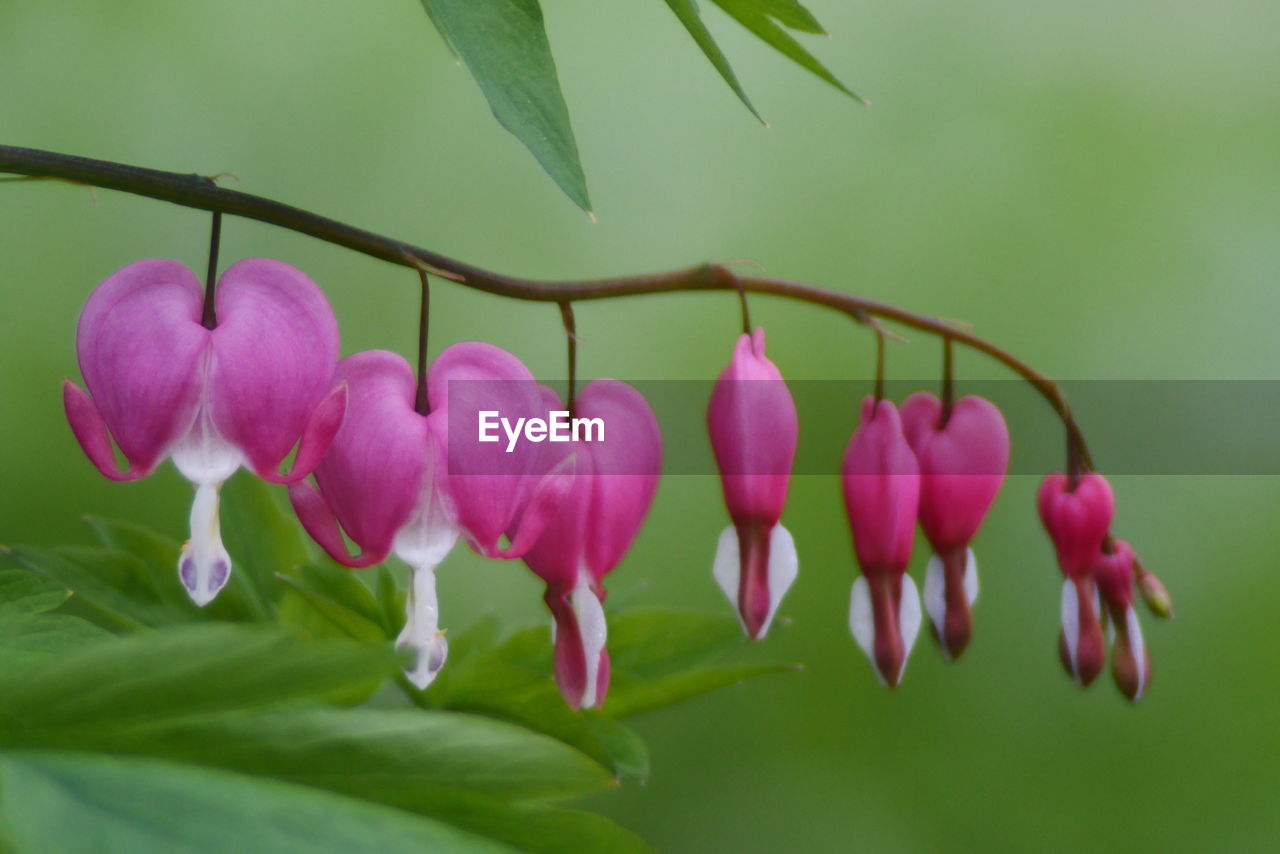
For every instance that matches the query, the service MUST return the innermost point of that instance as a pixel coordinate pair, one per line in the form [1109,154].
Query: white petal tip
[429,659]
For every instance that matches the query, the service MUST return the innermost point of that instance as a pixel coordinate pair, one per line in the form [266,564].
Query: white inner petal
[935,599]
[784,566]
[970,576]
[204,565]
[909,618]
[862,621]
[202,455]
[593,631]
[1071,623]
[727,569]
[421,632]
[1138,647]
[424,543]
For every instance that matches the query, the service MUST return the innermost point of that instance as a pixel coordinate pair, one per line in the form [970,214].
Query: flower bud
[753,426]
[1077,517]
[963,457]
[1153,592]
[1130,661]
[881,481]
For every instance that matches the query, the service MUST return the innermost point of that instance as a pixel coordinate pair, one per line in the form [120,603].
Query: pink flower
[243,393]
[962,465]
[882,497]
[753,426]
[614,481]
[1077,520]
[390,481]
[1130,662]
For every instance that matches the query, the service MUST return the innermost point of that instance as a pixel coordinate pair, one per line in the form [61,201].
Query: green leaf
[405,757]
[26,637]
[762,17]
[513,681]
[629,697]
[115,583]
[687,12]
[504,44]
[158,555]
[658,658]
[170,673]
[328,600]
[80,804]
[540,829]
[262,537]
[26,591]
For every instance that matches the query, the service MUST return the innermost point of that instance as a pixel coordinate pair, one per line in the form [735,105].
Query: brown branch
[202,193]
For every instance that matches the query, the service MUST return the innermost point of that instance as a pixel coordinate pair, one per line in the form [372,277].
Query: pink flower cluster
[1101,573]
[936,465]
[403,473]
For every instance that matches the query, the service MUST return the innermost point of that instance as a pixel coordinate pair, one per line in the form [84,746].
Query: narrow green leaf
[261,535]
[115,583]
[629,697]
[761,17]
[687,12]
[30,592]
[80,804]
[406,757]
[169,673]
[539,829]
[158,555]
[329,600]
[653,643]
[26,637]
[504,44]
[790,13]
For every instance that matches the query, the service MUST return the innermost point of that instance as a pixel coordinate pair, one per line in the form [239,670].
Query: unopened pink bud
[753,426]
[1130,661]
[881,482]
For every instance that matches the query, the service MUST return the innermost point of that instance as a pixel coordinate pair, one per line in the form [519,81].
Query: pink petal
[881,489]
[321,427]
[962,464]
[487,483]
[141,347]
[372,475]
[275,349]
[753,425]
[1077,520]
[91,433]
[317,518]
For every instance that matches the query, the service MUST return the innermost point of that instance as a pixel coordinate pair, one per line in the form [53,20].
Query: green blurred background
[1095,185]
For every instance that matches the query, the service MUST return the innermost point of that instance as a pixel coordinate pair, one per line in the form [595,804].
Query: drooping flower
[389,478]
[1078,517]
[963,457]
[242,393]
[1130,661]
[881,482]
[753,426]
[614,481]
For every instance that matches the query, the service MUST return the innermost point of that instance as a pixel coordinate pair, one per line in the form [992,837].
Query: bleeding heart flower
[243,393]
[1078,517]
[387,481]
[1130,661]
[753,426]
[882,497]
[613,484]
[963,458]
